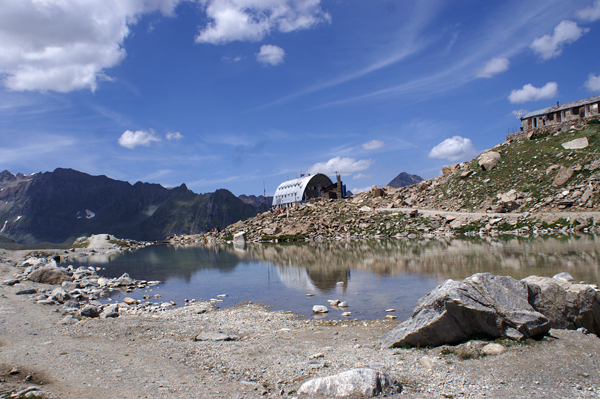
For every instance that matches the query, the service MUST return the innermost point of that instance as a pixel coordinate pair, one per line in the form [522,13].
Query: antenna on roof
[264,191]
[519,115]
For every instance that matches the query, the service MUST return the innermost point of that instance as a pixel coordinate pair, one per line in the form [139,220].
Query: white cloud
[590,14]
[173,136]
[373,145]
[251,20]
[356,190]
[593,83]
[550,46]
[131,139]
[361,176]
[343,166]
[493,67]
[531,93]
[270,54]
[65,45]
[454,149]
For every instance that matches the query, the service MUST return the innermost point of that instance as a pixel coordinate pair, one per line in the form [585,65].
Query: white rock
[430,362]
[493,349]
[576,144]
[320,309]
[352,383]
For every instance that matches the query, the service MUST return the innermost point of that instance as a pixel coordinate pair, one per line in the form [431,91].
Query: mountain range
[60,206]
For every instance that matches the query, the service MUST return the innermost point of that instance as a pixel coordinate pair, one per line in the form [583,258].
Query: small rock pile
[80,289]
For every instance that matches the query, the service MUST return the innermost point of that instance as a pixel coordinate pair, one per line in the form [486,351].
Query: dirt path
[272,354]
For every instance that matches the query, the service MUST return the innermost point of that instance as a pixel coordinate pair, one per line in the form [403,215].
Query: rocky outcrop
[488,160]
[495,306]
[361,382]
[566,305]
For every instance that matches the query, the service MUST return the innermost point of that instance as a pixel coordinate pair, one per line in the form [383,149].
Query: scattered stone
[90,311]
[320,309]
[351,383]
[390,310]
[346,314]
[563,175]
[110,311]
[316,356]
[67,320]
[493,349]
[11,281]
[430,362]
[123,280]
[130,301]
[564,276]
[343,304]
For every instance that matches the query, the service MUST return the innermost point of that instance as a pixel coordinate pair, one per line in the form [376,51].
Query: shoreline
[269,354]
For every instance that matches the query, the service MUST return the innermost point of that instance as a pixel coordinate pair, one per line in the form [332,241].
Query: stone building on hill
[560,113]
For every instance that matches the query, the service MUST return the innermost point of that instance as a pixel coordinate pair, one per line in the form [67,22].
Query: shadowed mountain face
[65,204]
[404,179]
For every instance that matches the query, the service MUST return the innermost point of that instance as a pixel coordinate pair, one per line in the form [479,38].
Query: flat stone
[11,281]
[26,291]
[208,336]
[430,362]
[49,274]
[576,144]
[563,175]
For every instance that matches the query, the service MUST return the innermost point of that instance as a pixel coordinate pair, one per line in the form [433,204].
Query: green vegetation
[523,168]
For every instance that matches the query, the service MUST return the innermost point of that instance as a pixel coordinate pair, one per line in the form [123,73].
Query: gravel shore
[248,351]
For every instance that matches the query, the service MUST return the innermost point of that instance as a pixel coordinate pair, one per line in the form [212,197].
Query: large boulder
[495,306]
[488,160]
[239,238]
[359,382]
[566,305]
[50,274]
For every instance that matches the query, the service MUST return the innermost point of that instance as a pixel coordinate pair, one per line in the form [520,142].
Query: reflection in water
[371,275]
[327,263]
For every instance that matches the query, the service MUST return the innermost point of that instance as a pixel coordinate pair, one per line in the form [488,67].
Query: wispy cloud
[270,54]
[593,83]
[343,166]
[143,138]
[373,145]
[493,67]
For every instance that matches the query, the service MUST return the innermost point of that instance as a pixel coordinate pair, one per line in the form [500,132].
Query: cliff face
[65,204]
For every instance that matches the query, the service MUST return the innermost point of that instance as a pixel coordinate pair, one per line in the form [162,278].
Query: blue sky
[234,93]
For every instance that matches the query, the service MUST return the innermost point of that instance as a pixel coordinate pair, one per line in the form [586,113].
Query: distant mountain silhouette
[404,179]
[60,206]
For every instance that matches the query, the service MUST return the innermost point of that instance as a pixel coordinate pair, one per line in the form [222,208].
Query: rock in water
[496,306]
[239,238]
[351,383]
[565,304]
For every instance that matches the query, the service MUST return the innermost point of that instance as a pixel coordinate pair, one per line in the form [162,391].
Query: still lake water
[372,275]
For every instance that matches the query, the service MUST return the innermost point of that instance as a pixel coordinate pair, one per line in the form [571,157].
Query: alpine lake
[373,276]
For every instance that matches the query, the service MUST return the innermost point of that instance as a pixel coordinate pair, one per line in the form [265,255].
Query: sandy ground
[157,356]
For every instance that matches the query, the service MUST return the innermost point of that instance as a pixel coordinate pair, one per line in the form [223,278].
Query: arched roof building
[300,190]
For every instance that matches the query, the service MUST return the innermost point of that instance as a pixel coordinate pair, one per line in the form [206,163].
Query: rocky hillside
[60,206]
[404,179]
[522,186]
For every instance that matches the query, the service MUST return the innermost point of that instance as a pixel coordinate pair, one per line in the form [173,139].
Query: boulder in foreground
[567,305]
[495,306]
[361,382]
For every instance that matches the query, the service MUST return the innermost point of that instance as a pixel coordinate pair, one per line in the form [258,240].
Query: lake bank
[271,354]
